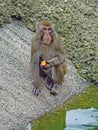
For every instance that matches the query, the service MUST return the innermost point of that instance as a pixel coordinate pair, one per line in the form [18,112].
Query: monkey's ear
[37,24]
[53,26]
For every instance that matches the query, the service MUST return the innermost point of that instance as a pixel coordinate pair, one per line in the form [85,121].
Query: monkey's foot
[54,93]
[36,91]
[54,90]
[48,86]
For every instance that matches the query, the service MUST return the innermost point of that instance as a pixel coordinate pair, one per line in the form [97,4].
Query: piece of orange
[43,63]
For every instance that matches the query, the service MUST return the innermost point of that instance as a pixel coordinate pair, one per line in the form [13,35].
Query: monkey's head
[45,31]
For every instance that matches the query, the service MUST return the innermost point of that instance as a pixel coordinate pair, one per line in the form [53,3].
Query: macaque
[47,58]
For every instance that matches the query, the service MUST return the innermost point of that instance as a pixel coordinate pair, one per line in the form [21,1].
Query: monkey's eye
[44,29]
[49,29]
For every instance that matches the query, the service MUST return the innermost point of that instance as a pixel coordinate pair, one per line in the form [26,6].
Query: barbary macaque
[47,58]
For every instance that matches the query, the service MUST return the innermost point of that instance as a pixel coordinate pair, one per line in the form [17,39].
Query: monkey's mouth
[47,43]
[47,40]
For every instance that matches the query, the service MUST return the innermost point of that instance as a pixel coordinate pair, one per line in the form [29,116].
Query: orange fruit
[43,63]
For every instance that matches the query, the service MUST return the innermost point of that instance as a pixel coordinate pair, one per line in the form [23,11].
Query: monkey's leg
[52,80]
[46,75]
[58,73]
[49,83]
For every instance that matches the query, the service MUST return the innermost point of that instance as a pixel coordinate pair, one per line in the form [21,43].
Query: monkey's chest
[48,53]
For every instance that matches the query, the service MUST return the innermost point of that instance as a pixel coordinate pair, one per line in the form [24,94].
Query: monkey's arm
[59,57]
[35,70]
[35,67]
[35,61]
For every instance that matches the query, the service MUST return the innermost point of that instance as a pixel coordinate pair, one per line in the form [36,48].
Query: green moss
[55,120]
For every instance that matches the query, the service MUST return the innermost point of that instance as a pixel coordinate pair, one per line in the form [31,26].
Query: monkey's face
[45,31]
[47,35]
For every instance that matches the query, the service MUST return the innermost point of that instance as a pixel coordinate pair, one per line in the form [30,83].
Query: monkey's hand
[45,65]
[53,61]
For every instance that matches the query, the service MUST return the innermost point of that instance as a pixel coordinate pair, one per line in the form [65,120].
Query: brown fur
[46,23]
